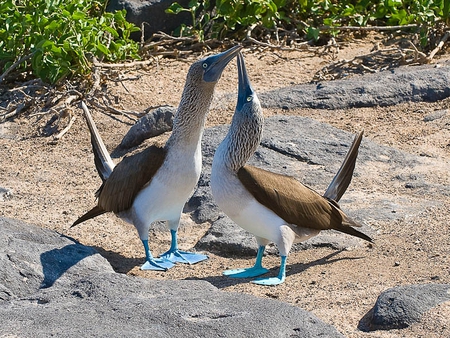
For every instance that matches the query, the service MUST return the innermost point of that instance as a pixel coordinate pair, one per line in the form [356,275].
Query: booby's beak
[215,64]
[245,90]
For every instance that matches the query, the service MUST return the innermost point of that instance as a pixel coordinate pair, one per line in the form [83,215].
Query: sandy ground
[53,184]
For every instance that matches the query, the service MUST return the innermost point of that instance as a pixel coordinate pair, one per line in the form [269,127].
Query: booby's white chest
[168,191]
[235,200]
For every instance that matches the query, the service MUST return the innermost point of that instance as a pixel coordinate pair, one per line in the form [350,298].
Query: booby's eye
[249,98]
[205,65]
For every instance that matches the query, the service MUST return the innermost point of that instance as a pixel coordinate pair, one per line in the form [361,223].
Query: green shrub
[232,18]
[62,35]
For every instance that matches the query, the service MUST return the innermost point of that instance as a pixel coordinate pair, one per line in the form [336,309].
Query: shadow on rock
[120,263]
[56,262]
[221,281]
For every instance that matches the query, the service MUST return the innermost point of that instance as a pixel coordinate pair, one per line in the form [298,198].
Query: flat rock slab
[53,286]
[403,306]
[386,88]
[313,152]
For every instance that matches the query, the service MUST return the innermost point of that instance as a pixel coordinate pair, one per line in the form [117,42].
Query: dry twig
[439,46]
[14,66]
[369,28]
[56,138]
[13,111]
[107,108]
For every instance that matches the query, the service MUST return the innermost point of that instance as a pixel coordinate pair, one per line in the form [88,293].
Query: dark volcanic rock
[386,88]
[52,286]
[402,306]
[151,15]
[152,124]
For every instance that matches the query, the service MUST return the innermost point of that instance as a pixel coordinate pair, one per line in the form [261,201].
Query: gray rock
[53,286]
[313,152]
[435,115]
[5,194]
[386,88]
[152,124]
[151,15]
[402,306]
[32,258]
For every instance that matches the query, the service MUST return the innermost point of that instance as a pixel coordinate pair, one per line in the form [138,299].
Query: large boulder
[402,306]
[53,286]
[150,15]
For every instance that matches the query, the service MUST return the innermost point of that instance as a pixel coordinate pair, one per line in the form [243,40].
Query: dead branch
[376,60]
[56,138]
[368,28]
[439,46]
[15,110]
[14,66]
[106,107]
[123,65]
[418,55]
[95,76]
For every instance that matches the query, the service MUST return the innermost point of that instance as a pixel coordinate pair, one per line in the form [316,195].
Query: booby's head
[246,127]
[213,66]
[247,98]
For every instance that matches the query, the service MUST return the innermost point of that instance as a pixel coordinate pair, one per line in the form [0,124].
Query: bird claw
[246,272]
[157,265]
[177,256]
[268,281]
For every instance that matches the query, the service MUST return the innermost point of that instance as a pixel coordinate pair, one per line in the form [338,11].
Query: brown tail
[341,181]
[94,212]
[352,231]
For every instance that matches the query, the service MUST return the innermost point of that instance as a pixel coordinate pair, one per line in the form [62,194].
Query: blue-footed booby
[156,183]
[275,208]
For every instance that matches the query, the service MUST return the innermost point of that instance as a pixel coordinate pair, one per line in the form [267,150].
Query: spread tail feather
[341,181]
[102,159]
[94,212]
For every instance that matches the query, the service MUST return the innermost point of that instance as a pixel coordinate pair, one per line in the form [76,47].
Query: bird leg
[177,256]
[256,270]
[151,263]
[274,280]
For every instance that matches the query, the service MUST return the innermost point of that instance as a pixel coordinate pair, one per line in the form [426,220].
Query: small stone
[5,194]
[397,264]
[435,115]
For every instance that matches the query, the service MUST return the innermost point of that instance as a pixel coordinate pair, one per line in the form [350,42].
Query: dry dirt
[53,184]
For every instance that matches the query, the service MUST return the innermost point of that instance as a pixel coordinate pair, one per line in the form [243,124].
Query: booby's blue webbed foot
[269,281]
[274,280]
[157,264]
[254,271]
[178,256]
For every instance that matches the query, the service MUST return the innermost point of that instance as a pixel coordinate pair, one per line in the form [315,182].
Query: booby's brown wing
[128,178]
[296,203]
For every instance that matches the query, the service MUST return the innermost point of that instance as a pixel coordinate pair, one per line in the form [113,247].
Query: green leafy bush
[232,18]
[60,36]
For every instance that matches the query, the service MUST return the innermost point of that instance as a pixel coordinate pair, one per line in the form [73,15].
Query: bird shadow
[221,281]
[119,263]
[56,262]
